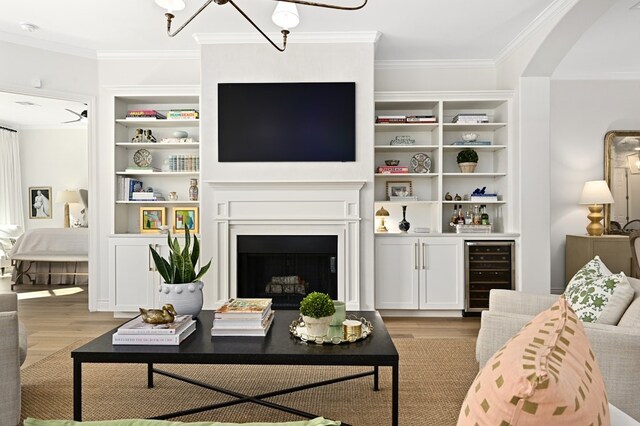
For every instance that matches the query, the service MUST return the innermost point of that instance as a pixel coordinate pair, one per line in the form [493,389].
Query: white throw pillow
[597,295]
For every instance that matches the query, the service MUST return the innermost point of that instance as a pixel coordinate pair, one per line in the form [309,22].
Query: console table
[614,250]
[279,347]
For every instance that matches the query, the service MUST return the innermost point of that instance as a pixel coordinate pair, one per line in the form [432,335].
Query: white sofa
[13,351]
[617,348]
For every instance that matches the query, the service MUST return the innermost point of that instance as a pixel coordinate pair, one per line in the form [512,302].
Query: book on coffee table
[154,339]
[244,308]
[138,326]
[236,328]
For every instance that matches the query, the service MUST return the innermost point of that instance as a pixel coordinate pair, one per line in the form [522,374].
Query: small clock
[142,158]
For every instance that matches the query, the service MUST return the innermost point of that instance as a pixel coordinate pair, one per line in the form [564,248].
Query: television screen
[267,122]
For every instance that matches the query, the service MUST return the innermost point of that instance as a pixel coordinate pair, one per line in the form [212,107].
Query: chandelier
[285,15]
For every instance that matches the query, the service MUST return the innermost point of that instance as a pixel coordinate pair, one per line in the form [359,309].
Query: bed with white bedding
[51,256]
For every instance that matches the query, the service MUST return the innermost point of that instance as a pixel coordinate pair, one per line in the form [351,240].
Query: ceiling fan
[80,116]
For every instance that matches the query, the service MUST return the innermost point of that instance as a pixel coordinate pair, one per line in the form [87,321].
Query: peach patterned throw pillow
[544,375]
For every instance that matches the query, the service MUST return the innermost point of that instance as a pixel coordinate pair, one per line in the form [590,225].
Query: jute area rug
[434,377]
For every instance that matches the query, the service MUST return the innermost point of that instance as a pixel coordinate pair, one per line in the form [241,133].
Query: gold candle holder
[351,330]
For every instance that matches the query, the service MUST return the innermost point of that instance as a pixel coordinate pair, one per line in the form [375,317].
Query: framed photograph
[401,188]
[185,217]
[40,198]
[152,218]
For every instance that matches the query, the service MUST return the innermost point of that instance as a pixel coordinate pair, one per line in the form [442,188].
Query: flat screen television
[269,122]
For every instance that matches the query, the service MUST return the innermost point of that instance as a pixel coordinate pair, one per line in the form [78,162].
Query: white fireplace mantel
[288,208]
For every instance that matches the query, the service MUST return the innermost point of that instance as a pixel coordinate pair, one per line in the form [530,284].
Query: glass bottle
[454,215]
[476,215]
[193,190]
[485,216]
[460,216]
[468,219]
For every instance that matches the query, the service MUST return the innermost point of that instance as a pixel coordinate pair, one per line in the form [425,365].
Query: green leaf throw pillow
[597,295]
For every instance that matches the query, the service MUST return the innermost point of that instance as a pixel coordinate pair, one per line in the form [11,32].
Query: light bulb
[171,5]
[286,15]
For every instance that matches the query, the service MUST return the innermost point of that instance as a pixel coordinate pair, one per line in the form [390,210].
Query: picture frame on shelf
[40,202]
[399,188]
[185,216]
[152,219]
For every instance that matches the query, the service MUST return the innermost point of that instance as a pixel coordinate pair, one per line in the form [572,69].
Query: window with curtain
[11,209]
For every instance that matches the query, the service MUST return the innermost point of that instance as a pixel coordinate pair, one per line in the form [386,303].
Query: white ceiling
[411,30]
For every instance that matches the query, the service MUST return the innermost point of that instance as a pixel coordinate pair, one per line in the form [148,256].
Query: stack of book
[422,119]
[147,196]
[484,197]
[127,186]
[141,169]
[184,163]
[138,332]
[183,114]
[393,170]
[144,114]
[471,143]
[391,119]
[243,317]
[475,118]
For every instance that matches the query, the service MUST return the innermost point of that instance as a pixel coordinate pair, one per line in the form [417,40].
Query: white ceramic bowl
[180,134]
[469,136]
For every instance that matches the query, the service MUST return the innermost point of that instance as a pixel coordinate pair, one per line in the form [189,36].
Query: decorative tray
[335,335]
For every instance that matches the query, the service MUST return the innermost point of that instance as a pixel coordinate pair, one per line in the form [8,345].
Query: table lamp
[67,197]
[382,213]
[595,193]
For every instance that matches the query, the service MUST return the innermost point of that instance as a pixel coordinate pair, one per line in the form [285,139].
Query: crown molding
[294,37]
[147,54]
[50,46]
[558,7]
[412,64]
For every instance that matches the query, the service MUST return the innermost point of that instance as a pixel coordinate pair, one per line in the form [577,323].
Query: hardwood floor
[57,316]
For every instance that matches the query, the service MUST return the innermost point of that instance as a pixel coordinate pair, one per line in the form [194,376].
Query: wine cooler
[488,265]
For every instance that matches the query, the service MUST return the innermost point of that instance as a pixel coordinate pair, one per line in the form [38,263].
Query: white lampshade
[171,5]
[286,15]
[67,197]
[596,192]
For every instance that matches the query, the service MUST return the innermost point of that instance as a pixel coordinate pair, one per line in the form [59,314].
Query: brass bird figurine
[165,315]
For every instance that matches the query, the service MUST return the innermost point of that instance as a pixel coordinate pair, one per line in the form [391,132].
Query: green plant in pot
[317,310]
[182,286]
[467,160]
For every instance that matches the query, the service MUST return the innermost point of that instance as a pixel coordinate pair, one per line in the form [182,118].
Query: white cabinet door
[397,273]
[441,260]
[133,279]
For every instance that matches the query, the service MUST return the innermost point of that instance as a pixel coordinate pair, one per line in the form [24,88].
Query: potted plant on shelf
[182,286]
[467,160]
[317,310]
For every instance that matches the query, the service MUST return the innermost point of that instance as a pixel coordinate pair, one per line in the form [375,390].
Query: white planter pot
[185,298]
[467,167]
[317,327]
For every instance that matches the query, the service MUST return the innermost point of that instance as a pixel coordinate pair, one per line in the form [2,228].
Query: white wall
[433,77]
[301,62]
[581,113]
[57,158]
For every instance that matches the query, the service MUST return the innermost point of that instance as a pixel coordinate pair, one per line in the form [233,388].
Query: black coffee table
[279,347]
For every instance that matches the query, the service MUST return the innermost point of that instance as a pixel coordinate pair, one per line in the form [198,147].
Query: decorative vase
[467,167]
[185,298]
[193,190]
[404,225]
[317,327]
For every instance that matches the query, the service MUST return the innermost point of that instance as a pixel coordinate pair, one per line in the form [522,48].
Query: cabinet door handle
[416,260]
[424,256]
[149,261]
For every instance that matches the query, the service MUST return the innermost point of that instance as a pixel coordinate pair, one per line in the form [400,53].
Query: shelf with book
[170,151]
[396,175]
[485,114]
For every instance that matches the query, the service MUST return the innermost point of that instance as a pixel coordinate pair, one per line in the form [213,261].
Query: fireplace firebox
[287,267]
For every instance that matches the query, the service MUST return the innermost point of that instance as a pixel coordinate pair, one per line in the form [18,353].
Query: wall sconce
[67,197]
[382,213]
[595,193]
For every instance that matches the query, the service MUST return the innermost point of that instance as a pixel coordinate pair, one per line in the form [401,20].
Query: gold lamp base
[382,228]
[595,228]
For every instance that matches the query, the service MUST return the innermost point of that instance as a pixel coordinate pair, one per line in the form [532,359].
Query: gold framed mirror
[622,173]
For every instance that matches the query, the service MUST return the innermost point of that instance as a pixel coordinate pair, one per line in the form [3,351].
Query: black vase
[404,225]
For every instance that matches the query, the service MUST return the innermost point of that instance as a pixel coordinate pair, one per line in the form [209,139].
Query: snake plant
[180,269]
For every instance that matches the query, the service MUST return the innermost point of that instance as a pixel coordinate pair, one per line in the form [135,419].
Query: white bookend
[138,326]
[153,339]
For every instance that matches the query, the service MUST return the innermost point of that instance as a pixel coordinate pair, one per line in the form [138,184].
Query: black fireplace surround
[287,267]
